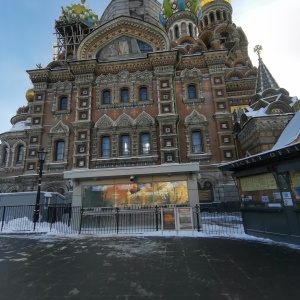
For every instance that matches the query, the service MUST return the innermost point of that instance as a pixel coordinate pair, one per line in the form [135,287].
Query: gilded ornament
[30,95]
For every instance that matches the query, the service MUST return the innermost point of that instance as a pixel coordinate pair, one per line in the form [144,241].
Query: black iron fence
[108,220]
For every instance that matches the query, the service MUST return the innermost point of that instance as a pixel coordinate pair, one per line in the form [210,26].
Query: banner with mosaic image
[140,194]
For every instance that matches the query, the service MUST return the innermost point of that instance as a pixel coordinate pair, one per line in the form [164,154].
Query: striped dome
[204,2]
[81,12]
[170,7]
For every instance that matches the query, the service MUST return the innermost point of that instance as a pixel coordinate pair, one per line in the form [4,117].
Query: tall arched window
[176,32]
[145,143]
[20,153]
[125,145]
[143,94]
[196,142]
[124,95]
[59,150]
[191,30]
[4,154]
[205,20]
[106,97]
[192,91]
[212,17]
[63,103]
[105,146]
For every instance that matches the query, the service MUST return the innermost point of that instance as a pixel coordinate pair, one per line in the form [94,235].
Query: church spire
[265,80]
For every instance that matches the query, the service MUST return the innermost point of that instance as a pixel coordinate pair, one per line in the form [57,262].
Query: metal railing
[108,220]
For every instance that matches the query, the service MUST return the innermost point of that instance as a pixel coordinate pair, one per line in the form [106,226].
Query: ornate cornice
[196,61]
[213,58]
[125,65]
[39,75]
[83,67]
[164,58]
[241,85]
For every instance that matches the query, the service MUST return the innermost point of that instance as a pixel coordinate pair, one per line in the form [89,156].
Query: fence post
[197,217]
[69,214]
[156,217]
[3,217]
[81,213]
[117,219]
[53,210]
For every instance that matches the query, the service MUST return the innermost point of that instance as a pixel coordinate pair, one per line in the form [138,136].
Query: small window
[105,146]
[145,143]
[191,30]
[192,91]
[196,142]
[125,145]
[59,150]
[106,97]
[4,154]
[176,31]
[143,94]
[63,103]
[20,154]
[124,95]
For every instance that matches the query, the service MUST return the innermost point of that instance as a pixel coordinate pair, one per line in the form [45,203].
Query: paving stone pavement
[123,267]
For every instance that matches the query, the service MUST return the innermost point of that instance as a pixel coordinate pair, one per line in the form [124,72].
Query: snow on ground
[23,228]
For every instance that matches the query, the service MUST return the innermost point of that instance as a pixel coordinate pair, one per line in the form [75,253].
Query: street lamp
[42,156]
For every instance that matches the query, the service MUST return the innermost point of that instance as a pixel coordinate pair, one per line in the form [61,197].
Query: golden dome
[204,2]
[30,95]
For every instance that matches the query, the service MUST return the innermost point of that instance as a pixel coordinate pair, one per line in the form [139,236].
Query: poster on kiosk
[179,218]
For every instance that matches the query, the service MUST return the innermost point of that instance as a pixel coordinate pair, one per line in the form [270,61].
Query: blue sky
[28,27]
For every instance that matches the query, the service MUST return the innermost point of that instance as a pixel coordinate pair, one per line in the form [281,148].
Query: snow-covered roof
[257,113]
[22,125]
[290,133]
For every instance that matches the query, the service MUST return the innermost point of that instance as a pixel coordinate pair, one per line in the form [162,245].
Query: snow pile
[26,225]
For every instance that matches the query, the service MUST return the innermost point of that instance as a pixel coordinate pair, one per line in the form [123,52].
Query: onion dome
[204,2]
[30,95]
[170,7]
[81,12]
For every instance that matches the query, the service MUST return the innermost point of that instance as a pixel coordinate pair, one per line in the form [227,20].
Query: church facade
[136,108]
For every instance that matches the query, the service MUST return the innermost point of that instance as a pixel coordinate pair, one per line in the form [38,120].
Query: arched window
[20,153]
[63,103]
[4,154]
[192,91]
[176,32]
[205,21]
[212,17]
[59,151]
[105,146]
[124,95]
[196,142]
[145,143]
[191,30]
[143,94]
[125,145]
[106,97]
[218,15]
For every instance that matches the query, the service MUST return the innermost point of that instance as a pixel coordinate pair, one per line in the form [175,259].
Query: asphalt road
[89,267]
